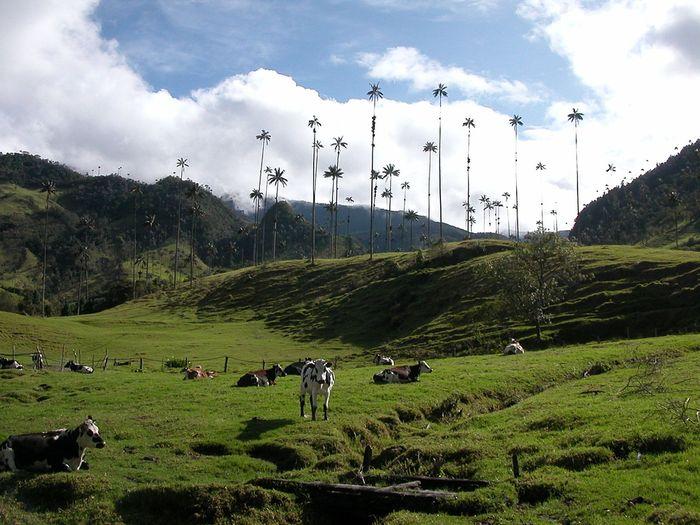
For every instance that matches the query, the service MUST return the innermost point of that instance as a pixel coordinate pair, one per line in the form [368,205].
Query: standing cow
[317,378]
[56,450]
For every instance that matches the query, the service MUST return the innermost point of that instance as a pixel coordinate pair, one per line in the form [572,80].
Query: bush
[174,362]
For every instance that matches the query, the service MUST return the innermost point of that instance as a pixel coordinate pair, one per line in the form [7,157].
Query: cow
[10,364]
[513,348]
[295,368]
[317,378]
[59,450]
[38,360]
[262,377]
[81,369]
[402,374]
[383,360]
[198,373]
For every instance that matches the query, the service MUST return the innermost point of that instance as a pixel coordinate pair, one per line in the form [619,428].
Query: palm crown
[390,171]
[314,123]
[375,93]
[339,143]
[430,146]
[264,136]
[540,166]
[48,187]
[333,172]
[405,185]
[515,121]
[469,123]
[575,116]
[440,91]
[277,177]
[182,163]
[256,194]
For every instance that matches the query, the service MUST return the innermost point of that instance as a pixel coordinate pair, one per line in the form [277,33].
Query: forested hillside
[659,208]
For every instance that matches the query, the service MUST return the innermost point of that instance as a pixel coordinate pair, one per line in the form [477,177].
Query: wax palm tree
[314,124]
[195,211]
[489,208]
[276,178]
[553,213]
[430,148]
[84,260]
[497,205]
[472,221]
[375,176]
[264,138]
[469,124]
[48,187]
[541,167]
[386,194]
[516,121]
[506,196]
[182,164]
[135,190]
[390,171]
[439,92]
[149,223]
[484,200]
[374,94]
[405,186]
[87,224]
[349,201]
[263,212]
[411,216]
[576,116]
[333,173]
[338,144]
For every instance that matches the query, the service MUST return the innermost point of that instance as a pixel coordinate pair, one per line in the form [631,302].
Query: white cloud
[409,64]
[435,5]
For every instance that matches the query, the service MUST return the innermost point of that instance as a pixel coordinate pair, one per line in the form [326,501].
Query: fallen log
[456,484]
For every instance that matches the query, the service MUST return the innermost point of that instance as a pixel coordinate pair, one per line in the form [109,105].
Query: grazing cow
[383,360]
[513,348]
[402,374]
[10,363]
[262,377]
[38,360]
[295,368]
[56,450]
[316,378]
[75,367]
[198,373]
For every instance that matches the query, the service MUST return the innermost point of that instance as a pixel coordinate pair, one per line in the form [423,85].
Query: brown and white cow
[198,373]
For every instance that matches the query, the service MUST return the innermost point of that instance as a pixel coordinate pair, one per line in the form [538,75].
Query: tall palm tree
[84,260]
[489,208]
[553,213]
[314,124]
[150,224]
[135,190]
[430,148]
[256,196]
[439,92]
[472,221]
[541,167]
[405,186]
[386,194]
[374,94]
[506,196]
[338,144]
[195,211]
[87,224]
[182,164]
[264,138]
[484,200]
[48,187]
[276,178]
[516,121]
[469,124]
[576,116]
[349,201]
[411,216]
[497,205]
[263,211]
[390,172]
[334,173]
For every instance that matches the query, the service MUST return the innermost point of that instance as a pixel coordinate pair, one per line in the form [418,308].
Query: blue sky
[186,45]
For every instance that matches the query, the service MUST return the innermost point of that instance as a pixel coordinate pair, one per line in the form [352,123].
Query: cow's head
[89,435]
[424,368]
[278,370]
[321,367]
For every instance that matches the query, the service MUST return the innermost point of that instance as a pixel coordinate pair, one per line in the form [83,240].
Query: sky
[139,83]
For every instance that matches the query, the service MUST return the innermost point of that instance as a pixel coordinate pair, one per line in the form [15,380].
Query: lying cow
[198,373]
[402,374]
[10,364]
[81,369]
[262,377]
[295,368]
[383,360]
[513,348]
[56,451]
[317,378]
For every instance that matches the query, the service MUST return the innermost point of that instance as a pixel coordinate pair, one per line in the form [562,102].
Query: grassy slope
[153,423]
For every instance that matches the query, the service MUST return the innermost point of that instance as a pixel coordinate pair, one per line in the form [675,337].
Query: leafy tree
[374,94]
[276,178]
[535,275]
[439,92]
[48,187]
[429,148]
[516,121]
[576,116]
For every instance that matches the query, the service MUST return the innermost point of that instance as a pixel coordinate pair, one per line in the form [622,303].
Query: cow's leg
[325,406]
[7,459]
[84,465]
[314,405]
[302,398]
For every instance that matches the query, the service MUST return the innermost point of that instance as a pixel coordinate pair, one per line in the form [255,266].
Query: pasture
[578,450]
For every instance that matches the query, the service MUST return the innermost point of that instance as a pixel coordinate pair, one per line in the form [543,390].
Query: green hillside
[646,210]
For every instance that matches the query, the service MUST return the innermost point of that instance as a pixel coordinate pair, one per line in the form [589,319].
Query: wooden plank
[428,482]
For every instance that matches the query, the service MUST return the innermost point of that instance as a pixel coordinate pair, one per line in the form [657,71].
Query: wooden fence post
[63,349]
[141,364]
[263,364]
[104,363]
[516,465]
[226,364]
[93,360]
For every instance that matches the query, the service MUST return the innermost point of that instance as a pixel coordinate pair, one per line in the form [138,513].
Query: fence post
[141,364]
[187,362]
[516,466]
[104,364]
[93,360]
[263,364]
[63,349]
[226,364]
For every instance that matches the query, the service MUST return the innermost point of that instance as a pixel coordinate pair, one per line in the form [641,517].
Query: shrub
[174,362]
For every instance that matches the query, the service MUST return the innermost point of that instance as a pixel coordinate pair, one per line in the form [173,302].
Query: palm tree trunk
[508,218]
[179,216]
[372,190]
[274,231]
[262,157]
[347,234]
[578,208]
[440,166]
[192,252]
[411,234]
[389,232]
[262,222]
[335,222]
[133,255]
[403,221]
[43,271]
[80,289]
[313,200]
[517,203]
[469,161]
[430,164]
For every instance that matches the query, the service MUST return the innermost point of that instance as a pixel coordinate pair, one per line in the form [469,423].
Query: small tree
[536,275]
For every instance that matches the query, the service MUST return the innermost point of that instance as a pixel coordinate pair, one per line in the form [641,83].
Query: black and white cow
[383,360]
[402,374]
[55,451]
[10,363]
[75,367]
[317,378]
[262,377]
[295,368]
[513,348]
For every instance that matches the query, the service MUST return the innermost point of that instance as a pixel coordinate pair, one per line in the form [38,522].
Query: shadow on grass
[256,427]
